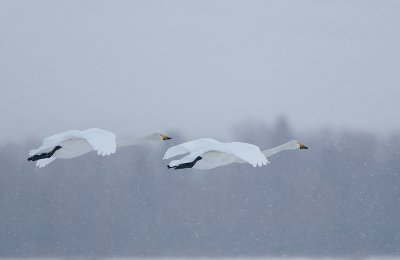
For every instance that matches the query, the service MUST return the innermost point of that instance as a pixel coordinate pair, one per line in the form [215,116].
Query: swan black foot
[186,165]
[44,155]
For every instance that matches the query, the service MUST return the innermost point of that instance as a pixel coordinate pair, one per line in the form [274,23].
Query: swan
[207,153]
[73,143]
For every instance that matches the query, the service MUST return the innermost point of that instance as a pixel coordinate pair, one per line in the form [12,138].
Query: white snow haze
[198,66]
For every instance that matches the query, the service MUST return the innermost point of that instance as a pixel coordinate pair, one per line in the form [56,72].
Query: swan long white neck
[121,142]
[277,149]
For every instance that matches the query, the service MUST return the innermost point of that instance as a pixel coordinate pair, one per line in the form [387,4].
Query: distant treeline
[340,197]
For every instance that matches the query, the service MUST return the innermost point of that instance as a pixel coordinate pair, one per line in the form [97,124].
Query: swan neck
[121,142]
[276,149]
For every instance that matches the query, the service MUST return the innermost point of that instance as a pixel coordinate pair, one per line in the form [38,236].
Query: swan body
[208,153]
[74,143]
[211,153]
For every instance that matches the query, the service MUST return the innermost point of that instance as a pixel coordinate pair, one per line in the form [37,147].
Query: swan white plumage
[207,153]
[73,143]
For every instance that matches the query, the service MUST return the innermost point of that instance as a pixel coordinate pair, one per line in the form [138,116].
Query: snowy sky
[197,66]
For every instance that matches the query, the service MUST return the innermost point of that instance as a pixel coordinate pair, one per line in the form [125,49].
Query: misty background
[265,72]
[339,198]
[135,67]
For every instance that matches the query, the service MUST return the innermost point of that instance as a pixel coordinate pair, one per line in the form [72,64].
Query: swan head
[294,144]
[160,137]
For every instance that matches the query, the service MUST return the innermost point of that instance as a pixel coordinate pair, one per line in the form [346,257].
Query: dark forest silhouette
[340,197]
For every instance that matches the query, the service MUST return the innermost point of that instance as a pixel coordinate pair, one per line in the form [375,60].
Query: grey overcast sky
[135,67]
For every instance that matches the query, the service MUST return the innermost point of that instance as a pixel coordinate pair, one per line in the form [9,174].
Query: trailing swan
[207,153]
[73,143]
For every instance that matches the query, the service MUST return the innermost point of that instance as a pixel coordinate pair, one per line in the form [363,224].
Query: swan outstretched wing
[190,147]
[247,152]
[101,140]
[52,141]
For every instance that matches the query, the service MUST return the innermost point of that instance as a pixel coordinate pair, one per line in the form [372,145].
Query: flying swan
[73,143]
[207,153]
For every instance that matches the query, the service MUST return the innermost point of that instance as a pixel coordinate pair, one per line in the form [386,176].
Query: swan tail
[43,162]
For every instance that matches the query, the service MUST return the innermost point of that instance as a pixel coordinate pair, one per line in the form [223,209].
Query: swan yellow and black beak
[302,146]
[165,137]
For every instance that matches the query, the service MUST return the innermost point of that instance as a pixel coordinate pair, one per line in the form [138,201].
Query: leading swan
[207,153]
[73,143]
